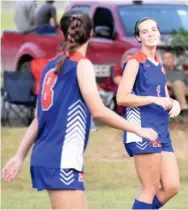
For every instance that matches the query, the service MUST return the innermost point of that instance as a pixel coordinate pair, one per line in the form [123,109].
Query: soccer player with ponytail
[67,98]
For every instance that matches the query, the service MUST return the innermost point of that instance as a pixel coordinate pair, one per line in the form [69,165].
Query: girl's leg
[179,90]
[170,181]
[148,170]
[67,199]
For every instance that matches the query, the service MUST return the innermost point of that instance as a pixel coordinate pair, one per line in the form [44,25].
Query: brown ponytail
[61,62]
[78,33]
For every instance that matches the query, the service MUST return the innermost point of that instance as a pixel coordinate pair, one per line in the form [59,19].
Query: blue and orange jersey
[150,81]
[63,118]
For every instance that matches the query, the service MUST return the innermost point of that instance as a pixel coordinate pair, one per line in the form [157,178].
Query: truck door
[104,47]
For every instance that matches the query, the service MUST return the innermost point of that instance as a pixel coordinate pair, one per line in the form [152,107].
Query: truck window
[169,17]
[83,8]
[103,23]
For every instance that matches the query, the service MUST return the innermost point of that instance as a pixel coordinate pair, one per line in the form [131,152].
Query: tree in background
[179,42]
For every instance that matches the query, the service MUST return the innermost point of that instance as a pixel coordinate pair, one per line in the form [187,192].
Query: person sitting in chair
[176,81]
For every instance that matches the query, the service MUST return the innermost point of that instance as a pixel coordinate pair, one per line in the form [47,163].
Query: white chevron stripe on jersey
[77,102]
[77,113]
[73,146]
[76,108]
[133,116]
[79,119]
[74,125]
[136,114]
[132,113]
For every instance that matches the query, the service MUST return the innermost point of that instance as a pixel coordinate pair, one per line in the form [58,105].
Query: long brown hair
[78,33]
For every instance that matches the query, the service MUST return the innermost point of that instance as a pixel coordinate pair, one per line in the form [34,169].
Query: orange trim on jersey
[55,57]
[141,57]
[76,56]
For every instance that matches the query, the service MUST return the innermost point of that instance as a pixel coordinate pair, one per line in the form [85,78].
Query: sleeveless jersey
[63,118]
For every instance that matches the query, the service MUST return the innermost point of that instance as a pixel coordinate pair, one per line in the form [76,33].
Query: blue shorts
[56,179]
[147,147]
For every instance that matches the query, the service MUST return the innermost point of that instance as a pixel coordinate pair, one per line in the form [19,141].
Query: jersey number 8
[47,90]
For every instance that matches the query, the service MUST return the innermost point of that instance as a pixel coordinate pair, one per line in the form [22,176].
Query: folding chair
[17,95]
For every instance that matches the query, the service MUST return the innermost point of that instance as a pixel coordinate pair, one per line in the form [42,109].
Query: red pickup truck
[113,25]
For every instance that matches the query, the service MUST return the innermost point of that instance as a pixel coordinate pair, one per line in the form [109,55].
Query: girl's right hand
[165,102]
[148,133]
[12,168]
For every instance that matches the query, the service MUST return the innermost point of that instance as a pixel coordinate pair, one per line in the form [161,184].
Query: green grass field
[110,176]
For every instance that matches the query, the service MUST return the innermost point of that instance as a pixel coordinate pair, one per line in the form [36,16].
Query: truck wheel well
[24,59]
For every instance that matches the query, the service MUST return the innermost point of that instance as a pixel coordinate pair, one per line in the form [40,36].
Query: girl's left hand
[175,110]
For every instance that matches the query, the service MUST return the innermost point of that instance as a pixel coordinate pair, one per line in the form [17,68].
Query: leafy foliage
[180,41]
